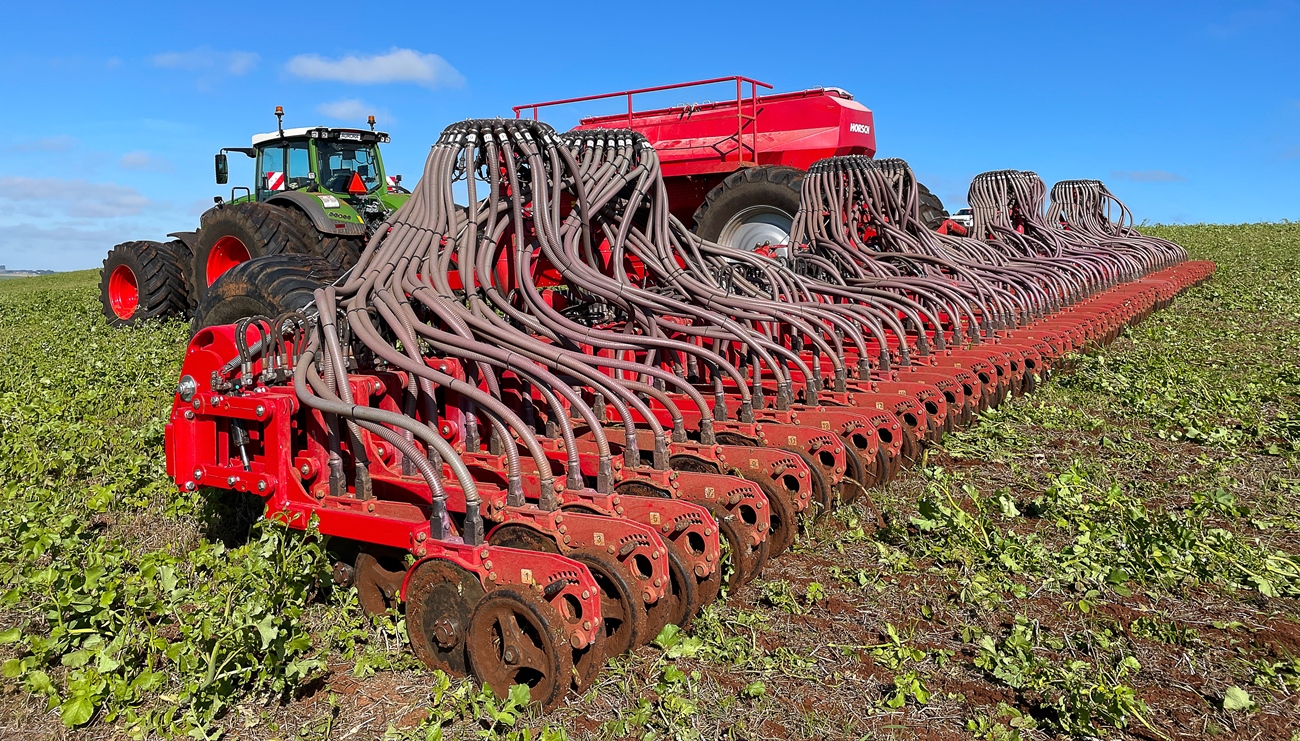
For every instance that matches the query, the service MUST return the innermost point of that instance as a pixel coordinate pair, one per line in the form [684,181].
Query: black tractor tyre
[239,232]
[774,186]
[269,286]
[340,250]
[932,211]
[141,281]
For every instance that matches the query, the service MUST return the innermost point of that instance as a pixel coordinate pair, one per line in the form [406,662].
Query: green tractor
[319,194]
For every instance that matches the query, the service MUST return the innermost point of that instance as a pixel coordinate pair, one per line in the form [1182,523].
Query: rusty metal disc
[782,522]
[587,663]
[622,612]
[658,614]
[378,575]
[912,448]
[855,476]
[523,538]
[741,562]
[641,489]
[734,438]
[440,601]
[822,495]
[707,589]
[682,597]
[692,464]
[516,637]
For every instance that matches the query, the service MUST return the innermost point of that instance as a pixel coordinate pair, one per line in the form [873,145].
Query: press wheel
[855,476]
[821,488]
[515,637]
[743,562]
[683,596]
[621,610]
[782,522]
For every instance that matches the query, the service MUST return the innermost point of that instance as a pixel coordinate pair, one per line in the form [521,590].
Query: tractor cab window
[283,166]
[300,174]
[339,161]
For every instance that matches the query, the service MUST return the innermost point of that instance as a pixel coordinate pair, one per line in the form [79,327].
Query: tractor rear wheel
[239,232]
[932,211]
[140,281]
[342,251]
[752,207]
[269,286]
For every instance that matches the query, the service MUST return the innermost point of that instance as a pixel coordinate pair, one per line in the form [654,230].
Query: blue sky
[1189,111]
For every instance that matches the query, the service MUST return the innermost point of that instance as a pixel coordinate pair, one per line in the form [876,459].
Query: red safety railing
[741,116]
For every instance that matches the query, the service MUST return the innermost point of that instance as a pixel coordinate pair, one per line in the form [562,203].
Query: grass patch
[1114,555]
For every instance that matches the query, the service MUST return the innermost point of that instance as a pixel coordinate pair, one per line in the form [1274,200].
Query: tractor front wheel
[269,286]
[234,234]
[142,280]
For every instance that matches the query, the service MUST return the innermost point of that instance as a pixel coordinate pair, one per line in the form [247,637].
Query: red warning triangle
[357,186]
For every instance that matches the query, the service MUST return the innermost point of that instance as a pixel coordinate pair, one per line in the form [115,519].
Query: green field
[1114,556]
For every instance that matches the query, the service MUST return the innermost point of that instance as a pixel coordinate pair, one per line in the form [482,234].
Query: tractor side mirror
[223,169]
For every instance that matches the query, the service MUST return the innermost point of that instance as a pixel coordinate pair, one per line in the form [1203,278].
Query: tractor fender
[187,238]
[310,204]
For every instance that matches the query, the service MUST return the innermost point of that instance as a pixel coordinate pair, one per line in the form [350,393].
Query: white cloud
[57,143]
[398,65]
[205,58]
[144,161]
[53,197]
[1148,176]
[349,109]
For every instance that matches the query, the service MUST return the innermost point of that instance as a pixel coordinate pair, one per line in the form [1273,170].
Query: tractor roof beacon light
[371,121]
[279,119]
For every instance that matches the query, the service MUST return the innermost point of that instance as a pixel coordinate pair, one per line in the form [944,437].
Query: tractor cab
[343,162]
[332,163]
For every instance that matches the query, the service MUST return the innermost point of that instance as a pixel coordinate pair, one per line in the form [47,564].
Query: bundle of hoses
[657,363]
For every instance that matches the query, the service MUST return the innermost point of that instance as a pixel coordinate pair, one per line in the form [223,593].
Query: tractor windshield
[338,161]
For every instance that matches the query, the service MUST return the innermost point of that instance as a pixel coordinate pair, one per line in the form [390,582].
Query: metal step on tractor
[318,194]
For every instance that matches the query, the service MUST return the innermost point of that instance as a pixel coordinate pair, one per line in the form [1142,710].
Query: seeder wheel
[782,521]
[587,663]
[746,561]
[440,600]
[855,477]
[823,497]
[517,638]
[621,609]
[683,598]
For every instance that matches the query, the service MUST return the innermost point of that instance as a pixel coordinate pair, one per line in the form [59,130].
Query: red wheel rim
[123,292]
[228,252]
